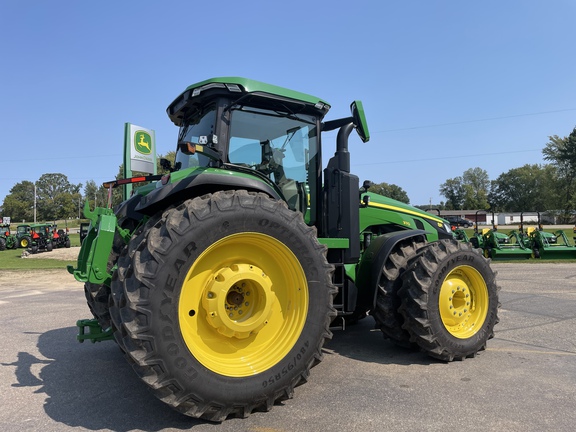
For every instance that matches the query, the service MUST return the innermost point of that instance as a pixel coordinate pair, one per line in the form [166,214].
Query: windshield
[201,125]
[278,145]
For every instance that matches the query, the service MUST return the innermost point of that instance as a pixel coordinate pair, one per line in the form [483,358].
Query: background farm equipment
[496,244]
[60,237]
[7,240]
[23,235]
[221,281]
[41,238]
[545,244]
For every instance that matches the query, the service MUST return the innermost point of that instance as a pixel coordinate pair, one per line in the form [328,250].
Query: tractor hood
[406,215]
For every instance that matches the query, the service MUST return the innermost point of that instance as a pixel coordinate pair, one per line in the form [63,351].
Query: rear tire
[223,304]
[450,300]
[25,242]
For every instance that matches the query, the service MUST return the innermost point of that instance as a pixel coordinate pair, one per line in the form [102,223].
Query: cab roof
[199,93]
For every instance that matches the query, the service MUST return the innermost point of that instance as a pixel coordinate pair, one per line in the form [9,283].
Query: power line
[474,121]
[467,156]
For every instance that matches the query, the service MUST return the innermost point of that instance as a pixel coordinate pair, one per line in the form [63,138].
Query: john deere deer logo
[143,142]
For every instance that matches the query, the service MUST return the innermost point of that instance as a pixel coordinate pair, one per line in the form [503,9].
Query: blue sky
[446,85]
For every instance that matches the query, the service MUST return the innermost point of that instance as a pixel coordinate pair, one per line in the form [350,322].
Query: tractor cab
[270,137]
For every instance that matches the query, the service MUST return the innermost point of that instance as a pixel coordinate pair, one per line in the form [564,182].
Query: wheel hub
[238,300]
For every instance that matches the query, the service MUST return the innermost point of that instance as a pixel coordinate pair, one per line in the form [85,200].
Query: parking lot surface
[524,381]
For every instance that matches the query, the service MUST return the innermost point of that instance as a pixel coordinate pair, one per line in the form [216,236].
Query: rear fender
[373,258]
[93,257]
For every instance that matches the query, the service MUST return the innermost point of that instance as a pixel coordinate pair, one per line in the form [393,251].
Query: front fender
[373,258]
[198,185]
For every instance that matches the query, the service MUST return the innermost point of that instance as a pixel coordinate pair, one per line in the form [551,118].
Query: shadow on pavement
[363,342]
[92,386]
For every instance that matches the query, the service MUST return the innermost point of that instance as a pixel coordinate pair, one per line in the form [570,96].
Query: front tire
[25,242]
[223,304]
[450,300]
[386,313]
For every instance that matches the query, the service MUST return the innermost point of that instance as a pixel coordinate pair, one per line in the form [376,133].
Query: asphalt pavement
[524,381]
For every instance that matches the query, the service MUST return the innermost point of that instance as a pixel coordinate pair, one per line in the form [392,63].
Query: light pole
[34,202]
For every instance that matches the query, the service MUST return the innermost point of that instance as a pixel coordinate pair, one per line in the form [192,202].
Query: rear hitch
[90,329]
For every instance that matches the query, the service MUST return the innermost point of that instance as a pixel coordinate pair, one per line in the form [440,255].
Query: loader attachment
[93,257]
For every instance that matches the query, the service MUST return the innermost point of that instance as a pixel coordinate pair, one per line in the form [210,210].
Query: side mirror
[359,119]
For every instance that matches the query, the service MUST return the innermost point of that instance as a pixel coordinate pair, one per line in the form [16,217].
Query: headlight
[447,227]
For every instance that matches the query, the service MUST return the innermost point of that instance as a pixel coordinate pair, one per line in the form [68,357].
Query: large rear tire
[386,313]
[223,304]
[450,300]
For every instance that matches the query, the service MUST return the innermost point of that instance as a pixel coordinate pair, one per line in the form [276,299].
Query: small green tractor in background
[7,240]
[41,234]
[60,237]
[221,280]
[23,235]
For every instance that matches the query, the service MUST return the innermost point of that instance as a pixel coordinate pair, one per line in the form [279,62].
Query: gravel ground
[66,254]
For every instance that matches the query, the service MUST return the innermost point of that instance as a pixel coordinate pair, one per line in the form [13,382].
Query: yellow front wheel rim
[243,304]
[463,302]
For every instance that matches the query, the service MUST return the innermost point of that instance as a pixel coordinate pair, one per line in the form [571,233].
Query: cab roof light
[234,88]
[199,90]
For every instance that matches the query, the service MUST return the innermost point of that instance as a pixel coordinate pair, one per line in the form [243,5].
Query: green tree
[476,187]
[391,191]
[97,196]
[470,191]
[53,197]
[528,188]
[561,152]
[19,203]
[453,190]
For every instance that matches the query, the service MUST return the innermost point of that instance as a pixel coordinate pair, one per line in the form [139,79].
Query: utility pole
[34,202]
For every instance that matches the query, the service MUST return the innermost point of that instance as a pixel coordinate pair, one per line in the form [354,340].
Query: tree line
[53,197]
[536,187]
[532,187]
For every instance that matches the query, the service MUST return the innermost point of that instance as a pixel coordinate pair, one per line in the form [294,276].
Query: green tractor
[23,235]
[7,240]
[41,234]
[498,245]
[60,237]
[221,280]
[547,245]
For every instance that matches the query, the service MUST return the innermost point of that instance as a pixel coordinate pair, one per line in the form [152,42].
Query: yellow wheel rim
[243,304]
[463,302]
[24,243]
